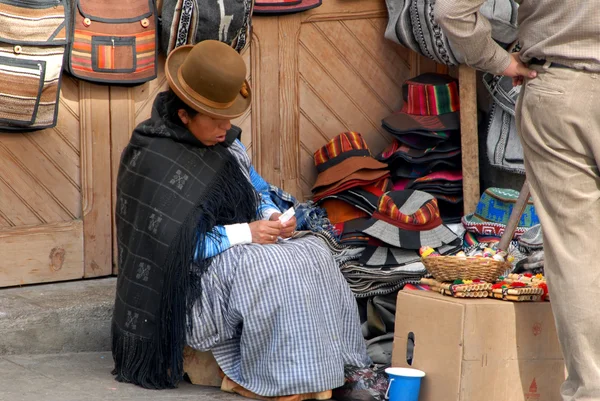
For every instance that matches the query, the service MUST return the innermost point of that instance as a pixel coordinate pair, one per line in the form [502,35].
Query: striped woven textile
[114,41]
[419,209]
[346,142]
[432,100]
[279,319]
[20,24]
[94,52]
[33,38]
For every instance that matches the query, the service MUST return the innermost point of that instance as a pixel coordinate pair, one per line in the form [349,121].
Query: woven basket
[450,268]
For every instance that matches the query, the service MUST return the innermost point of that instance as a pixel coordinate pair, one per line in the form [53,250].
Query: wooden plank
[289,28]
[348,79]
[309,172]
[245,121]
[29,190]
[15,210]
[266,141]
[63,156]
[393,56]
[370,34]
[469,137]
[353,50]
[96,179]
[49,176]
[145,94]
[315,110]
[122,123]
[43,254]
[338,102]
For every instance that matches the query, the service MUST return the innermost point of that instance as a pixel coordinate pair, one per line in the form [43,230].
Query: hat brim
[345,168]
[303,5]
[176,58]
[403,122]
[357,178]
[407,239]
[361,200]
[387,256]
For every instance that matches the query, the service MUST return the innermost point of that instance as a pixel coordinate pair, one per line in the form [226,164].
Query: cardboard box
[479,349]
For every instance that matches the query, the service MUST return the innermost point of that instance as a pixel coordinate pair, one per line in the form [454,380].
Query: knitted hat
[345,154]
[364,197]
[359,178]
[431,104]
[398,149]
[493,211]
[339,211]
[408,219]
[284,6]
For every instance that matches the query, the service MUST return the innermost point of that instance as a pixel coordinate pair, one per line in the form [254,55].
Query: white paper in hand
[288,214]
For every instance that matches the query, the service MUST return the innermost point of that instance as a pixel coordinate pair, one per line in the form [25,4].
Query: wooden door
[335,72]
[55,221]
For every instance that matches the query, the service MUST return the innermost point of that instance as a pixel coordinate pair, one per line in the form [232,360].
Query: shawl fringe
[157,363]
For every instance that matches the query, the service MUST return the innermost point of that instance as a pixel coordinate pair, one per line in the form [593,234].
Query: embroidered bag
[504,147]
[187,22]
[33,37]
[114,41]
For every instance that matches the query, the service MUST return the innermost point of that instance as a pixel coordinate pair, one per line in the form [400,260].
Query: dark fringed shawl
[171,192]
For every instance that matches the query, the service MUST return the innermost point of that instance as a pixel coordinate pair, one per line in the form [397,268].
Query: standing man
[558,118]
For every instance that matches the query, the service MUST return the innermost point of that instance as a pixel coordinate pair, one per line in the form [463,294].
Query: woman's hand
[288,228]
[265,232]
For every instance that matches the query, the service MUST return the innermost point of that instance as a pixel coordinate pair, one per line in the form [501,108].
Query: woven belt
[537,61]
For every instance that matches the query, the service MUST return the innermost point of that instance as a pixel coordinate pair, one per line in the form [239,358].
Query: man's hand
[288,228]
[517,70]
[265,232]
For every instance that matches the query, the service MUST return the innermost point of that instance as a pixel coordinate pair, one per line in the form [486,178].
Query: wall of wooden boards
[313,74]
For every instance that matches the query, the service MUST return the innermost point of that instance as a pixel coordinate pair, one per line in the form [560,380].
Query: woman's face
[210,131]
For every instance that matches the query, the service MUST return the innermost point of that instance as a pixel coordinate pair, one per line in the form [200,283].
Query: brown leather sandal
[230,386]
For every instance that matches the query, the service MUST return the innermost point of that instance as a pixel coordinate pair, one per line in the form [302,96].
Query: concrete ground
[55,346]
[55,318]
[84,377]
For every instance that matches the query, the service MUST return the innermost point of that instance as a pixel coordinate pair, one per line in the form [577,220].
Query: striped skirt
[279,319]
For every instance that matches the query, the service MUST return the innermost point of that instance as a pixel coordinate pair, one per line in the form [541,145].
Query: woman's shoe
[230,386]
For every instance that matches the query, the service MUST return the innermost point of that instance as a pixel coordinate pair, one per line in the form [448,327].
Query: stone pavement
[84,377]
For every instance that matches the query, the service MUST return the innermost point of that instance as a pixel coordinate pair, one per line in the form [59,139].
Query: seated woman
[201,256]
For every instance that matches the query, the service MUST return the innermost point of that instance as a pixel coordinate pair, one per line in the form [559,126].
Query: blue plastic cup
[405,384]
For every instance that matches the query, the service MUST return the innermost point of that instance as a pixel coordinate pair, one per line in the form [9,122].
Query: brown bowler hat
[210,77]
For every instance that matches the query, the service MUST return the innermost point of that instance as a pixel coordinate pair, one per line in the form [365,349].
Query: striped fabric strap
[432,100]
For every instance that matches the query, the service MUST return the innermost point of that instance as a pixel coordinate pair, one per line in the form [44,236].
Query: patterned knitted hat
[345,154]
[364,197]
[284,6]
[409,219]
[431,104]
[397,149]
[493,211]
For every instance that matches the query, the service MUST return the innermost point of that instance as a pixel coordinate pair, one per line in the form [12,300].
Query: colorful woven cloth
[362,384]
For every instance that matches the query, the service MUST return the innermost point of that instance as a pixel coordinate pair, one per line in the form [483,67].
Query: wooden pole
[467,78]
[515,216]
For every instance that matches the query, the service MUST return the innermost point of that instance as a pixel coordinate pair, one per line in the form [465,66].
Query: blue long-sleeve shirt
[224,237]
